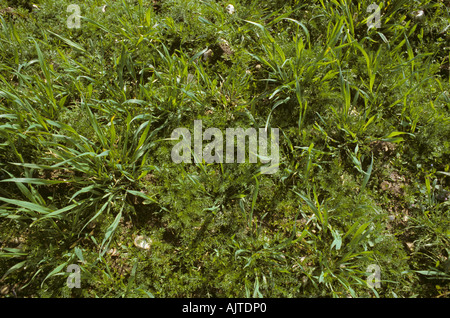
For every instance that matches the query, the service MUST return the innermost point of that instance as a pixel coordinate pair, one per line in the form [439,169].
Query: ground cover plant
[87,179]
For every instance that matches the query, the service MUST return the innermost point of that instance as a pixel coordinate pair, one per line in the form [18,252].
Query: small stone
[4,290]
[223,41]
[418,15]
[410,246]
[354,112]
[230,9]
[225,47]
[207,55]
[143,242]
[113,252]
[385,185]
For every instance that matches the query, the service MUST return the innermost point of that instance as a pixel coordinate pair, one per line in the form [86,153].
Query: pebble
[418,15]
[207,55]
[230,9]
[143,242]
[4,290]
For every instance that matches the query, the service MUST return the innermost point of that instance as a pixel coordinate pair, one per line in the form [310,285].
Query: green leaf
[54,272]
[337,240]
[69,42]
[11,252]
[263,29]
[14,268]
[142,195]
[42,63]
[55,213]
[392,137]
[435,274]
[358,234]
[100,211]
[205,21]
[132,277]
[110,231]
[367,176]
[28,205]
[197,55]
[79,253]
[145,292]
[255,196]
[238,252]
[37,181]
[301,25]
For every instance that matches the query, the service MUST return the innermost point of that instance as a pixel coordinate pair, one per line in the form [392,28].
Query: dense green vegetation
[86,115]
